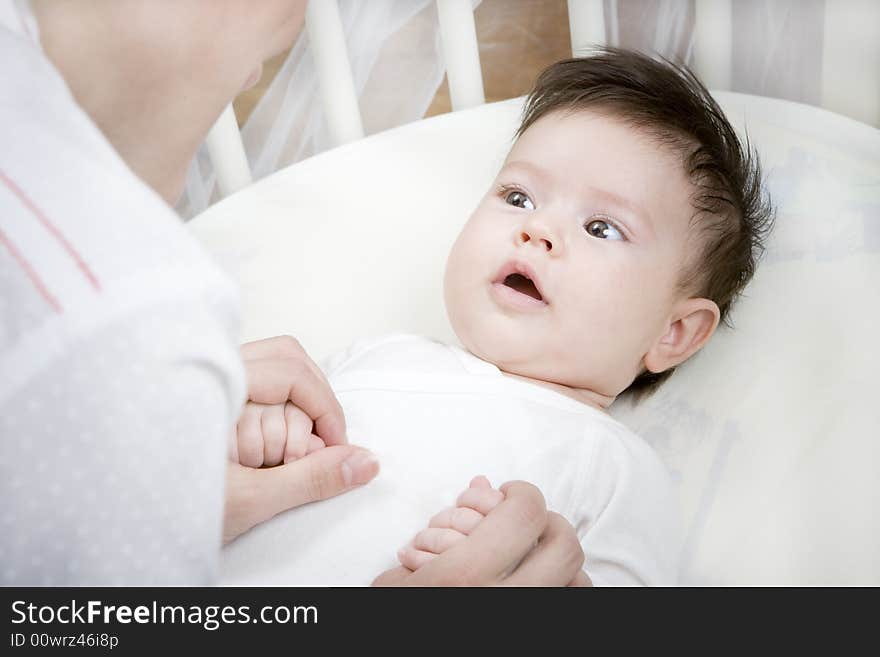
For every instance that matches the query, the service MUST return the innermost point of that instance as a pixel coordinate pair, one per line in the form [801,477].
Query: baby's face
[567,270]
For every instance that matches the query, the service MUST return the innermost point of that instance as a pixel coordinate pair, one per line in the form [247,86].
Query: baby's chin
[512,346]
[507,354]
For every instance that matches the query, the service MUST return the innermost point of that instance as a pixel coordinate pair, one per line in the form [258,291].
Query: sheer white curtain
[818,52]
[777,45]
[397,64]
[395,51]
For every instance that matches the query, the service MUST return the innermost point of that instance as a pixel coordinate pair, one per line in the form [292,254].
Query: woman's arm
[112,454]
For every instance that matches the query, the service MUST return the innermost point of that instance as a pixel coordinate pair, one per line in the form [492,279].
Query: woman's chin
[253,78]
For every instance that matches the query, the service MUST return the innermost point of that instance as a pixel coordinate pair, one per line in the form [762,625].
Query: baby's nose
[537,237]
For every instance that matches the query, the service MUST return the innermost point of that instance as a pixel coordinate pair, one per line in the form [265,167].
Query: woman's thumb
[316,476]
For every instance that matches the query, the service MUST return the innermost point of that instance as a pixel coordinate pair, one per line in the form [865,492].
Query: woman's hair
[732,212]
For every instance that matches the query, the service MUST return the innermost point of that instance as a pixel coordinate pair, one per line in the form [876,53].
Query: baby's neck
[589,397]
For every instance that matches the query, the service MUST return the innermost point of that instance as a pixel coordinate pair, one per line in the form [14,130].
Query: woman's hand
[517,543]
[451,525]
[281,376]
[254,495]
[279,370]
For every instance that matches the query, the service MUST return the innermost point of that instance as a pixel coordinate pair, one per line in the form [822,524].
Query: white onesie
[436,416]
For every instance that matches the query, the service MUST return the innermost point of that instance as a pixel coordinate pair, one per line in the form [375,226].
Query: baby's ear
[692,323]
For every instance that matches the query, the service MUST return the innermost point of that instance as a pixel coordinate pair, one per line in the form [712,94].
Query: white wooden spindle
[338,95]
[851,59]
[461,53]
[226,151]
[586,23]
[713,43]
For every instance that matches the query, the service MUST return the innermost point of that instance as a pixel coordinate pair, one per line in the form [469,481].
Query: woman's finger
[498,543]
[316,476]
[280,346]
[580,580]
[255,495]
[556,559]
[277,380]
[312,393]
[398,576]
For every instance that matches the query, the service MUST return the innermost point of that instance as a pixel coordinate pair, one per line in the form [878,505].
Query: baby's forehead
[575,124]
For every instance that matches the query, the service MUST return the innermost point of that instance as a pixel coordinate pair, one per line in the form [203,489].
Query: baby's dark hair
[732,211]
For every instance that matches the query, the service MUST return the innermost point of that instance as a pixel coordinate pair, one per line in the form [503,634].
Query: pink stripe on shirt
[24,25]
[30,205]
[31,273]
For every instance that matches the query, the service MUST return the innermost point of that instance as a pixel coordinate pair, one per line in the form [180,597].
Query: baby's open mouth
[523,285]
[517,285]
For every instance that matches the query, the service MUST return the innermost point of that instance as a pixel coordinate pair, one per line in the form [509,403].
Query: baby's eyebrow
[528,168]
[633,209]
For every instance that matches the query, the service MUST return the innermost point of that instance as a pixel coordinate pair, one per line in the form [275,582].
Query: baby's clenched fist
[451,525]
[271,434]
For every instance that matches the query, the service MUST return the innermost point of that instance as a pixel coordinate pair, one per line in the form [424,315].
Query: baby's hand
[451,525]
[269,434]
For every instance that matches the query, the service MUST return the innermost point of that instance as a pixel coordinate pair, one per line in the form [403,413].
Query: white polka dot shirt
[120,377]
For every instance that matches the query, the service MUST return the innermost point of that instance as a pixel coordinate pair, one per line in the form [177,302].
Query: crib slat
[586,22]
[226,151]
[461,52]
[713,42]
[338,95]
[851,59]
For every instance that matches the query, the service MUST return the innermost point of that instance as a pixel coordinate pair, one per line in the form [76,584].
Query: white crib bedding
[771,432]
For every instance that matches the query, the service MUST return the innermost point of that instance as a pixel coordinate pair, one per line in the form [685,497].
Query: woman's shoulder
[83,231]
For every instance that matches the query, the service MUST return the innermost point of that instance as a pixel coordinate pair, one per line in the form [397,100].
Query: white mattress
[771,431]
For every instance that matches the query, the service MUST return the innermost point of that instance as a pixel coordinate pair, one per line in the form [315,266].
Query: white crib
[771,431]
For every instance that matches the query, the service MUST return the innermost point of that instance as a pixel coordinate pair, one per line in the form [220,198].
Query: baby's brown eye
[519,200]
[603,230]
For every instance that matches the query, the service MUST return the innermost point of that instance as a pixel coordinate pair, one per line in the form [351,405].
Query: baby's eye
[603,230]
[519,200]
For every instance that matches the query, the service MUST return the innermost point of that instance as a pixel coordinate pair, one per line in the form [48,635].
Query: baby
[625,220]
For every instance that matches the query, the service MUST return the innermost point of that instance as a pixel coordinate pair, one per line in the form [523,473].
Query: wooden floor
[517,38]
